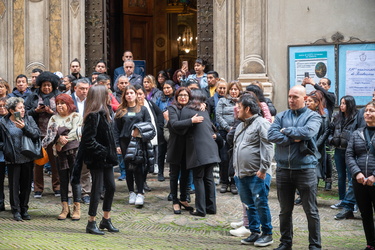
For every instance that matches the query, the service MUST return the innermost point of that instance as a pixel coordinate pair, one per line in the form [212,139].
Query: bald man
[293,132]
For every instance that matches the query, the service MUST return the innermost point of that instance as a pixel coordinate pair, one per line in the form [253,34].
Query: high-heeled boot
[64,212]
[76,211]
[92,228]
[2,205]
[328,185]
[107,223]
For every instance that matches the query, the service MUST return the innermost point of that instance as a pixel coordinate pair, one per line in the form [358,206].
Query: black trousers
[205,193]
[62,160]
[162,150]
[20,176]
[365,196]
[102,177]
[134,173]
[224,164]
[2,178]
[174,173]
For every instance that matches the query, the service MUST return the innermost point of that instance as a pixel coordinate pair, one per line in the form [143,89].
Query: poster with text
[316,61]
[357,71]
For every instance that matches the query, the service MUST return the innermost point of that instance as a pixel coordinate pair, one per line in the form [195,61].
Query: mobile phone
[41,105]
[307,74]
[17,115]
[185,64]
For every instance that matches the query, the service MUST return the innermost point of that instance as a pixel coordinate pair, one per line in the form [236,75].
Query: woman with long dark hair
[99,153]
[129,113]
[342,127]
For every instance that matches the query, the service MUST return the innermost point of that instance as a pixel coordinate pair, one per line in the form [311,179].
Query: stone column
[253,29]
[6,47]
[225,39]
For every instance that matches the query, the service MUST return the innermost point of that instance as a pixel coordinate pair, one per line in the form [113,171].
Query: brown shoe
[64,212]
[76,211]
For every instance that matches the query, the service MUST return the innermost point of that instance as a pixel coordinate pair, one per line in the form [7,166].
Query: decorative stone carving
[74,6]
[2,9]
[220,3]
[253,64]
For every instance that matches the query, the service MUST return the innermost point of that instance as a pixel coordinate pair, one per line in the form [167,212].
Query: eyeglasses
[2,106]
[183,95]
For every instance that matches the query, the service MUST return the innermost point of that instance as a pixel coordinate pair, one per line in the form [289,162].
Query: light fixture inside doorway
[187,42]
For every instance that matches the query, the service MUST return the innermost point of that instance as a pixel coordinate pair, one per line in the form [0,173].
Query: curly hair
[47,76]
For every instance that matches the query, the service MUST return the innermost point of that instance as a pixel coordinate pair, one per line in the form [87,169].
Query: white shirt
[80,104]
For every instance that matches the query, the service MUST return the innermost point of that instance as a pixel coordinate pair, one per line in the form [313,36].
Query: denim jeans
[349,199]
[253,192]
[342,171]
[305,182]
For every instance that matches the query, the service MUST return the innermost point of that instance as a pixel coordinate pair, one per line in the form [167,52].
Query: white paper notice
[360,72]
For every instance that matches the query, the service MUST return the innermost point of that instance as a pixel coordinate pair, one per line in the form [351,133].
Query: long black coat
[201,148]
[177,130]
[98,143]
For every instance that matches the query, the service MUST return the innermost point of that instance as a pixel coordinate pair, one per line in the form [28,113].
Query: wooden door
[138,35]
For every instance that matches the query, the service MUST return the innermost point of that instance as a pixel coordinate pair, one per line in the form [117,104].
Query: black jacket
[6,143]
[147,132]
[98,143]
[341,132]
[177,140]
[359,157]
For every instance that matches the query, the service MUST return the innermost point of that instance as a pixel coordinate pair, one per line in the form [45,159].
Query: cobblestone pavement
[156,227]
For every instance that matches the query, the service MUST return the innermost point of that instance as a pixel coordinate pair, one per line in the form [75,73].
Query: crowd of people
[210,131]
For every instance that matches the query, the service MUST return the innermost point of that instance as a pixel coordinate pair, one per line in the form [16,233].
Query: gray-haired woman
[20,167]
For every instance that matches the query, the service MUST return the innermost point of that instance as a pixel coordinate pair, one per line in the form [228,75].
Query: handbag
[43,160]
[31,149]
[134,153]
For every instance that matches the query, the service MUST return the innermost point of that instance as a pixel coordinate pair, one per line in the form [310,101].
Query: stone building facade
[244,40]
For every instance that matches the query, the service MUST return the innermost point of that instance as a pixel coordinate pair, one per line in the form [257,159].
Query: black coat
[177,130]
[201,148]
[98,143]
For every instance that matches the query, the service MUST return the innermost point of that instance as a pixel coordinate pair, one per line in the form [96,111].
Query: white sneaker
[236,225]
[139,200]
[240,232]
[156,168]
[132,197]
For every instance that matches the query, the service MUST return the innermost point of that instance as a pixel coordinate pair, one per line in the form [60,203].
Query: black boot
[92,228]
[106,223]
[2,206]
[328,186]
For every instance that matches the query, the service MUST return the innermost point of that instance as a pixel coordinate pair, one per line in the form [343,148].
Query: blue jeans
[305,181]
[253,192]
[349,200]
[342,171]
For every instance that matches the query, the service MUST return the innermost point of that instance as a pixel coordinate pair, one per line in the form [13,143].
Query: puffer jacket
[147,132]
[252,141]
[341,132]
[225,113]
[358,155]
[302,124]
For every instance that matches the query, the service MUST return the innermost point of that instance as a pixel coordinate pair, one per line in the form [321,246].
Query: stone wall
[251,35]
[44,34]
